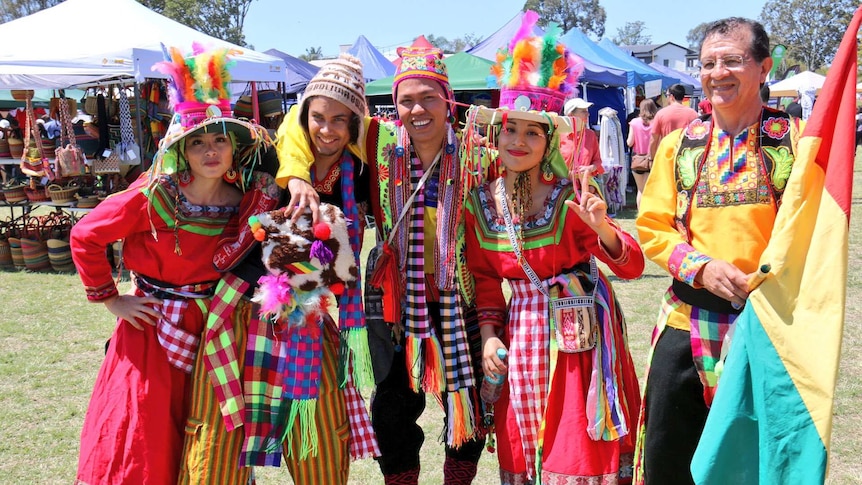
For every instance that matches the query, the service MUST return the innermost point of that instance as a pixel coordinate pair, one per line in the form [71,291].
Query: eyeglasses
[731,63]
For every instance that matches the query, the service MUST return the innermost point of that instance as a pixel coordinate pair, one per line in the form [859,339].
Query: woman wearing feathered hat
[569,390]
[170,221]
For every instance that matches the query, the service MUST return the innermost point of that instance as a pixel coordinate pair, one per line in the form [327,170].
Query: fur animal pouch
[307,263]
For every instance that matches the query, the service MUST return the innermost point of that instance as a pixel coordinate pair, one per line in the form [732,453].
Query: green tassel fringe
[354,343]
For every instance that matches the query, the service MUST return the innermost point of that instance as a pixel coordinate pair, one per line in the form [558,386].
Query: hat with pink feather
[536,75]
[199,95]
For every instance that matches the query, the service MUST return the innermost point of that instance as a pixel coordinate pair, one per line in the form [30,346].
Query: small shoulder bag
[573,318]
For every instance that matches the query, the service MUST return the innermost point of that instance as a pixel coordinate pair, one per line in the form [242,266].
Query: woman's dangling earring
[547,173]
[231,176]
[185,178]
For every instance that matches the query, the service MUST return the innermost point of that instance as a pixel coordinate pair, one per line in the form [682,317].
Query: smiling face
[522,144]
[422,109]
[732,86]
[328,126]
[210,155]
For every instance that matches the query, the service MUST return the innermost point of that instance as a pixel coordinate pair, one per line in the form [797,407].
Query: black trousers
[676,411]
[395,410]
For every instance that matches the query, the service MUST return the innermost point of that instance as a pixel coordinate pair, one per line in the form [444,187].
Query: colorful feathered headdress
[536,73]
[199,92]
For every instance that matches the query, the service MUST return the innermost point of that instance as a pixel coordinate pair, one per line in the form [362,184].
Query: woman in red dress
[562,417]
[170,221]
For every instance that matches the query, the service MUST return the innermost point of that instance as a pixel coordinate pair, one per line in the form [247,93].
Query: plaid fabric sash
[529,364]
[533,359]
[425,356]
[351,316]
[423,349]
[363,440]
[220,351]
[180,346]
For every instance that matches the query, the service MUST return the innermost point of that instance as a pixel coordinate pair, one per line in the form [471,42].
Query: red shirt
[589,154]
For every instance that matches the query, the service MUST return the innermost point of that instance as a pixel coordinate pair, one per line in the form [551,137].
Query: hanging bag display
[573,318]
[33,160]
[127,150]
[69,156]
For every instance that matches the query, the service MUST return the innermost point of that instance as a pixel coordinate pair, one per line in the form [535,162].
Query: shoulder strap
[409,202]
[510,230]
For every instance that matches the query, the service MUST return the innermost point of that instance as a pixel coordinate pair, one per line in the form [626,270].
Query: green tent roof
[466,73]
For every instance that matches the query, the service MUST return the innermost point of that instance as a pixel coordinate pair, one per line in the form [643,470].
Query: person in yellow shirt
[431,342]
[706,216]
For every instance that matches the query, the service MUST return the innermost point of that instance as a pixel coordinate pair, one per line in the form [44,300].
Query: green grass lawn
[52,343]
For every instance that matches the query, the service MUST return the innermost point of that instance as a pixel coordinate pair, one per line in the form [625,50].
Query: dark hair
[759,48]
[764,93]
[352,127]
[677,91]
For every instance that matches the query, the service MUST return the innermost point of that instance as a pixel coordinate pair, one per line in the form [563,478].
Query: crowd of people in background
[200,383]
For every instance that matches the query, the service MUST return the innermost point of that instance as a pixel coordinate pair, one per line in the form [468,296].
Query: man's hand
[725,280]
[302,195]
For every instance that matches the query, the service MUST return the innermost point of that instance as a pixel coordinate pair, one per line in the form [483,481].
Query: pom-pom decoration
[315,261]
[322,231]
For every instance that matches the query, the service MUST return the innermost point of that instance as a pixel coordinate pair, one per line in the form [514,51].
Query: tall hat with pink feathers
[536,75]
[199,95]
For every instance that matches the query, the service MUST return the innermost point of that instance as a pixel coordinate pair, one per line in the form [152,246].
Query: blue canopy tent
[298,72]
[640,72]
[374,64]
[680,77]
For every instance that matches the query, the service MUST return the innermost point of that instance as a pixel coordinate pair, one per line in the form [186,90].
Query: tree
[695,35]
[13,9]
[588,16]
[632,33]
[457,44]
[223,19]
[811,29]
[312,54]
[438,42]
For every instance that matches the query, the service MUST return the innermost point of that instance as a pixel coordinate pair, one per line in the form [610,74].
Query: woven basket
[111,164]
[16,147]
[88,202]
[48,144]
[39,194]
[4,148]
[17,255]
[90,105]
[5,254]
[60,256]
[22,94]
[35,253]
[15,194]
[61,195]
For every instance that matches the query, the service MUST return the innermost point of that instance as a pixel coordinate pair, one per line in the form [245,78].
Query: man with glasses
[706,216]
[672,117]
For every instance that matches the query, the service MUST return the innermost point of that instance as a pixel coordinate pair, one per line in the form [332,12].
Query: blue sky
[390,23]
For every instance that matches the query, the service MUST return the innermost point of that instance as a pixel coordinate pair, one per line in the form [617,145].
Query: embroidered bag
[574,318]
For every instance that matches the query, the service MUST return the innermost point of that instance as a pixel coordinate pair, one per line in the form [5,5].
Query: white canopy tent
[795,84]
[124,41]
